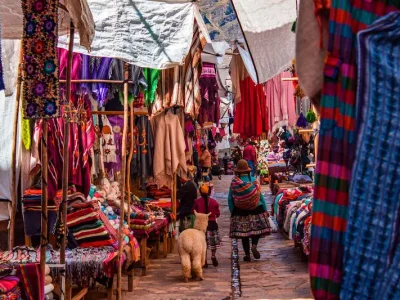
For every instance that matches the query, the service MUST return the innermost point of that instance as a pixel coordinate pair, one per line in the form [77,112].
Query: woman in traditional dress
[249,215]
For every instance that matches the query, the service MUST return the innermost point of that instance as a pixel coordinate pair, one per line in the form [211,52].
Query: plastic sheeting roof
[153,34]
[266,26]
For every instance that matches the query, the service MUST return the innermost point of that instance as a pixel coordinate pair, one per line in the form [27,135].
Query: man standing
[205,161]
[249,154]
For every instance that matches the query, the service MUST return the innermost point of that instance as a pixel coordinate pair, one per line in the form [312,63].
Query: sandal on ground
[255,252]
[247,258]
[214,261]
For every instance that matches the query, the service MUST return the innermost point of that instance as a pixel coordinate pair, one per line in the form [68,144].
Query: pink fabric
[280,102]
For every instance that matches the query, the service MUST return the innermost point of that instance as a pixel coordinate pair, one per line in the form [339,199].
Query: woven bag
[246,195]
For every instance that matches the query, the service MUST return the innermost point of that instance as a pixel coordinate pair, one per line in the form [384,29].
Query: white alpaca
[192,248]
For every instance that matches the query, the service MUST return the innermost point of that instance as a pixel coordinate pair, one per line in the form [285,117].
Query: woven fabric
[337,142]
[214,240]
[190,89]
[39,46]
[250,225]
[374,216]
[30,275]
[246,195]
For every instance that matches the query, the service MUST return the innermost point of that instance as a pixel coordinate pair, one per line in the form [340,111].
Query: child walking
[205,204]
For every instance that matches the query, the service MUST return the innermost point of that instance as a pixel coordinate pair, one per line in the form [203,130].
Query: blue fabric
[231,203]
[253,167]
[372,245]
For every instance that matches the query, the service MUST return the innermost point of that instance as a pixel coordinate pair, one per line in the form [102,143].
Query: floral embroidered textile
[39,43]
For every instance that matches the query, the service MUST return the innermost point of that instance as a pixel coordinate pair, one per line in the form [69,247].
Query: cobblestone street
[281,273]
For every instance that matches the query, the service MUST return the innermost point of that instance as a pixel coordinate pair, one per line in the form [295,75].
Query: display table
[160,228]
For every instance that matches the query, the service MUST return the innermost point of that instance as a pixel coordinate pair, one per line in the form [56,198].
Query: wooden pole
[11,232]
[128,173]
[66,145]
[44,161]
[123,182]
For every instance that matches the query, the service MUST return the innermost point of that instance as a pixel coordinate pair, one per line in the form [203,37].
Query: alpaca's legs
[197,266]
[186,266]
[204,255]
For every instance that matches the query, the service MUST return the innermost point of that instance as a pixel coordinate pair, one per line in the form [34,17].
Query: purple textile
[210,101]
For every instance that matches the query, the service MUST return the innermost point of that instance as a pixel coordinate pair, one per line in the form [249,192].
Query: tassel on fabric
[301,121]
[311,117]
[294,26]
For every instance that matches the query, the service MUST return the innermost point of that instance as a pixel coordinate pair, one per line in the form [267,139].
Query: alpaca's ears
[208,214]
[195,213]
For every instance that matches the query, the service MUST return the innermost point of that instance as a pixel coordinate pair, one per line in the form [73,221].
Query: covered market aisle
[138,135]
[281,273]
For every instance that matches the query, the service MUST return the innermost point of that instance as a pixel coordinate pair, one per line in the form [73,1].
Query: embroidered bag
[246,195]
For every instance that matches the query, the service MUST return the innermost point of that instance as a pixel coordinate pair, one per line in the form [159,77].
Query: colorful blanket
[8,283]
[246,195]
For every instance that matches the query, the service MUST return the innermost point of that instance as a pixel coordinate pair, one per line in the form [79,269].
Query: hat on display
[311,43]
[242,167]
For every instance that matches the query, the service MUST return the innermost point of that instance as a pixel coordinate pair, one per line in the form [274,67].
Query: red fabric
[213,208]
[89,232]
[251,118]
[249,153]
[109,242]
[79,213]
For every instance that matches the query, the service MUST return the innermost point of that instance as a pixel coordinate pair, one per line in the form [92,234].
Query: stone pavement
[281,273]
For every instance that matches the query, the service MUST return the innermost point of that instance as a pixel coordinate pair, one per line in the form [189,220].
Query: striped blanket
[246,195]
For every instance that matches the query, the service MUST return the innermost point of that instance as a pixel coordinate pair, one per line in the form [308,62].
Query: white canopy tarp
[267,28]
[153,34]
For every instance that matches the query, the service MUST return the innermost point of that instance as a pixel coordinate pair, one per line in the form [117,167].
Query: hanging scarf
[39,46]
[109,147]
[151,76]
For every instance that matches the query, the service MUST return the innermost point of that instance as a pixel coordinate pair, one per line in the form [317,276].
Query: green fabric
[151,76]
[311,117]
[294,26]
[94,225]
[121,97]
[26,133]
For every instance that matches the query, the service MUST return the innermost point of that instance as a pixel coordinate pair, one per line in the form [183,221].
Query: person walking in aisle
[187,194]
[250,155]
[236,155]
[205,161]
[205,205]
[249,215]
[225,160]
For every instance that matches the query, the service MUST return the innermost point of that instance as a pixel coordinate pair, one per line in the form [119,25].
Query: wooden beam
[44,162]
[290,79]
[123,183]
[11,232]
[81,294]
[118,113]
[66,146]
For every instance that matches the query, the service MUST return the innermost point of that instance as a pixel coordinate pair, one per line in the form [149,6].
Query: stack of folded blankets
[141,217]
[157,193]
[9,284]
[87,226]
[32,207]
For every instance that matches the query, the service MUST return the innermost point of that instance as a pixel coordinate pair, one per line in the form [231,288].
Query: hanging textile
[39,46]
[280,102]
[337,142]
[151,76]
[190,89]
[374,216]
[251,118]
[210,101]
[169,148]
